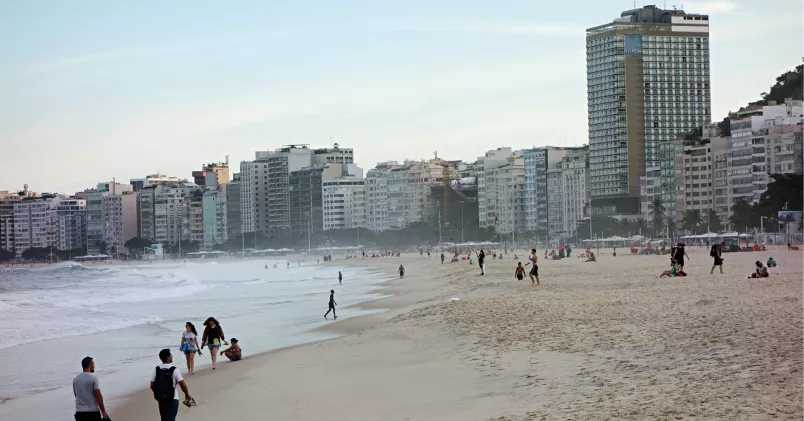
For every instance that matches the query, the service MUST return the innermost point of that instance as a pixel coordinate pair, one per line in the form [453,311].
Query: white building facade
[214,215]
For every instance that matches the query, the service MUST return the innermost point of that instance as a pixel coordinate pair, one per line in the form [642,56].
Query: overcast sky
[91,90]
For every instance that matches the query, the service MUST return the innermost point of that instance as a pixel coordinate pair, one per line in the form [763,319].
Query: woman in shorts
[213,337]
[189,346]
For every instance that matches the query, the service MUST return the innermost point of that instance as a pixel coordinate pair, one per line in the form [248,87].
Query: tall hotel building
[647,81]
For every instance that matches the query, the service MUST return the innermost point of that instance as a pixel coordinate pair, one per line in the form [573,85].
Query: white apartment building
[505,188]
[214,216]
[112,217]
[249,171]
[575,192]
[377,193]
[344,203]
[567,194]
[538,161]
[743,171]
[7,201]
[70,223]
[555,216]
[784,145]
[420,177]
[34,224]
[487,187]
[162,212]
[695,169]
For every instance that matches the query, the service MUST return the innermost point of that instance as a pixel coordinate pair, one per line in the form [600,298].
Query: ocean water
[123,315]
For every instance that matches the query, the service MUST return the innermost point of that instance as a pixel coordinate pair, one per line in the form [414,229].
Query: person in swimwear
[233,353]
[533,260]
[519,273]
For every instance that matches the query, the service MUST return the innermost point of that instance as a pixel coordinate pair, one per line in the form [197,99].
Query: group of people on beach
[165,378]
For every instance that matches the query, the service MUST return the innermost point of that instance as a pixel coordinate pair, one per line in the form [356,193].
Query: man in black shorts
[716,251]
[680,254]
[534,270]
[520,272]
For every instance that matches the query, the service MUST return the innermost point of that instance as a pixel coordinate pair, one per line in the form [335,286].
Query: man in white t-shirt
[168,409]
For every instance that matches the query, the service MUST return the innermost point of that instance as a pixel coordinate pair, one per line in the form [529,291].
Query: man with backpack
[164,379]
[716,253]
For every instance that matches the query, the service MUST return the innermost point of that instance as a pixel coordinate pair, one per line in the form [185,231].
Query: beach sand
[596,341]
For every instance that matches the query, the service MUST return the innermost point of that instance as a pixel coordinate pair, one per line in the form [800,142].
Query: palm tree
[657,213]
[692,220]
[671,227]
[714,221]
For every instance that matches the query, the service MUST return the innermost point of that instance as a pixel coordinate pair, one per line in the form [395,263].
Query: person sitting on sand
[592,257]
[233,353]
[519,273]
[672,272]
[771,263]
[761,272]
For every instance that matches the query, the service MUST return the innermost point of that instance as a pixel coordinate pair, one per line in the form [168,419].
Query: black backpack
[164,389]
[713,252]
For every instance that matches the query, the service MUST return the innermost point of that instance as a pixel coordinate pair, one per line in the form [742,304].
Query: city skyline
[93,94]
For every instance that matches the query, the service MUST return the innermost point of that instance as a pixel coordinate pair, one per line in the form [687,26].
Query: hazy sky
[91,90]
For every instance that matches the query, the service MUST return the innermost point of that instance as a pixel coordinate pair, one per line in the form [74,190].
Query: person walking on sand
[716,252]
[189,346]
[519,273]
[233,353]
[481,261]
[164,379]
[340,278]
[88,398]
[401,271]
[533,260]
[332,305]
[213,336]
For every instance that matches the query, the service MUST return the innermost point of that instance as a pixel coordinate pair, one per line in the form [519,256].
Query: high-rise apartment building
[763,139]
[377,196]
[574,191]
[34,223]
[487,187]
[163,213]
[647,81]
[7,201]
[233,213]
[70,223]
[344,203]
[538,162]
[695,168]
[214,215]
[112,217]
[505,187]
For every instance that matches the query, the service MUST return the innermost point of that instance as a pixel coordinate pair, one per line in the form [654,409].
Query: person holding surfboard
[213,337]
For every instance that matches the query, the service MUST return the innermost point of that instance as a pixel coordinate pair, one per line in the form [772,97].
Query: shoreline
[595,340]
[130,404]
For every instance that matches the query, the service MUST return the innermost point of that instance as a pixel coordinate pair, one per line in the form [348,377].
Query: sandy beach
[596,341]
